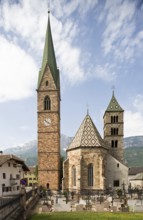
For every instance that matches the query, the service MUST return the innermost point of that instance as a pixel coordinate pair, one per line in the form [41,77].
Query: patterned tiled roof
[114,105]
[87,135]
[7,157]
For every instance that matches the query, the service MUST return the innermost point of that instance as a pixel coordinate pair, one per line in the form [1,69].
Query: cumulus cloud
[18,72]
[105,72]
[70,7]
[138,102]
[134,118]
[24,23]
[133,123]
[120,36]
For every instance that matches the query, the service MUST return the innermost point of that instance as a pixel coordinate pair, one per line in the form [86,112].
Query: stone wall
[81,158]
[49,135]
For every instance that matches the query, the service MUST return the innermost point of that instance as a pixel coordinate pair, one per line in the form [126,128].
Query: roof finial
[87,109]
[48,8]
[113,88]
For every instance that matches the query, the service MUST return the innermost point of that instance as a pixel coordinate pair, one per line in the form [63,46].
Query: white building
[12,170]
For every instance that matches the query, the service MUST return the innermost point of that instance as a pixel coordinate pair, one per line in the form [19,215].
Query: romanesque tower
[48,93]
[114,128]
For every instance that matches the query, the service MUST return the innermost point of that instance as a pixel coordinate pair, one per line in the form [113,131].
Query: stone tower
[48,92]
[114,128]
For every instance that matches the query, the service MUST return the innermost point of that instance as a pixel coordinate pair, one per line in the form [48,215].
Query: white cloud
[133,123]
[138,103]
[105,72]
[28,26]
[25,20]
[70,7]
[25,128]
[18,72]
[134,118]
[120,37]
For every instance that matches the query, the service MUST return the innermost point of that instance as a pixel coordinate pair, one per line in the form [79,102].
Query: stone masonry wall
[49,136]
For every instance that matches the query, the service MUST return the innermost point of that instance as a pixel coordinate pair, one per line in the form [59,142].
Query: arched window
[47,83]
[74,176]
[114,131]
[112,119]
[116,119]
[47,103]
[90,174]
[112,144]
[116,143]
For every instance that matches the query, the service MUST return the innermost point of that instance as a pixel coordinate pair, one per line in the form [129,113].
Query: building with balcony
[12,171]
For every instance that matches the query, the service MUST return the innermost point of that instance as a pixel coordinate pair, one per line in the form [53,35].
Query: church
[92,163]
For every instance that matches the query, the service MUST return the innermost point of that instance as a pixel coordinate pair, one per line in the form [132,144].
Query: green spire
[49,57]
[114,105]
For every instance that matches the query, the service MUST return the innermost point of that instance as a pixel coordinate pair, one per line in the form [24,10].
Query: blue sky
[98,45]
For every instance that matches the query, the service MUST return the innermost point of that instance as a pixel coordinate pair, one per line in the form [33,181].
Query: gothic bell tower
[48,100]
[114,128]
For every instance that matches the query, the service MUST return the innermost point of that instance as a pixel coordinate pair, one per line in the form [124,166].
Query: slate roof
[7,157]
[114,105]
[49,58]
[135,170]
[87,136]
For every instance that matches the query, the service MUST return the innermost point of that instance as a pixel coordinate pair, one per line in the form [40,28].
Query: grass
[87,216]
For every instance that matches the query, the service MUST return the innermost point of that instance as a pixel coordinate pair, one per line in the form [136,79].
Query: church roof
[49,57]
[135,170]
[114,105]
[87,135]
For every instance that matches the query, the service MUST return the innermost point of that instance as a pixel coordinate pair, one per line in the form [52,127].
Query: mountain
[65,141]
[134,156]
[28,152]
[134,141]
[133,150]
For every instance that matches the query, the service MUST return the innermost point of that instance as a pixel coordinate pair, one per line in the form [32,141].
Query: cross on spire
[49,7]
[87,109]
[113,89]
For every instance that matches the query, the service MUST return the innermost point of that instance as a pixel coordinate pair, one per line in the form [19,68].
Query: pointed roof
[114,105]
[49,57]
[87,135]
[7,157]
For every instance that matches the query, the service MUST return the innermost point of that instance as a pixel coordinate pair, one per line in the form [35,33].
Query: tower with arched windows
[48,92]
[95,164]
[114,128]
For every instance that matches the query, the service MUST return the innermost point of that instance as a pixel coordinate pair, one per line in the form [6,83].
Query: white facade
[116,174]
[136,182]
[11,171]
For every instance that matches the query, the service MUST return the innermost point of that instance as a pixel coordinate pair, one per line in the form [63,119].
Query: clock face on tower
[47,121]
